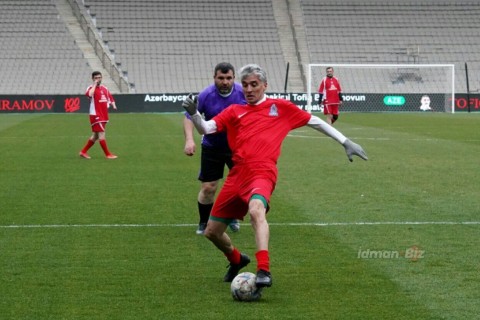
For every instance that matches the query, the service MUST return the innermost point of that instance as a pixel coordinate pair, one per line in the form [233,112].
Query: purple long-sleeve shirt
[211,103]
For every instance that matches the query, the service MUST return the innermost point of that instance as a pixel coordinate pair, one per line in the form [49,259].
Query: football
[243,287]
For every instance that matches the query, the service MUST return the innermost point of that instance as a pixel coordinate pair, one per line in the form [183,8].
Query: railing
[101,50]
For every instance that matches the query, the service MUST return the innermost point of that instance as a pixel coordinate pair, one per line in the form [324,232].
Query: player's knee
[215,230]
[257,207]
[257,214]
[209,235]
[208,190]
[334,118]
[212,234]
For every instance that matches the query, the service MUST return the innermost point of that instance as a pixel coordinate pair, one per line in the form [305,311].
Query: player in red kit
[100,101]
[255,133]
[330,96]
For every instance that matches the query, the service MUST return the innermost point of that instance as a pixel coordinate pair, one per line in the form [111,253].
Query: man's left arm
[351,148]
[340,97]
[111,101]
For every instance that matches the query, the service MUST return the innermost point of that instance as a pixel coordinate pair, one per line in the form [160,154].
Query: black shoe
[264,279]
[201,228]
[235,268]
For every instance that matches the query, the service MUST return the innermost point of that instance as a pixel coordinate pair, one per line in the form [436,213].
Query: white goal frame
[312,65]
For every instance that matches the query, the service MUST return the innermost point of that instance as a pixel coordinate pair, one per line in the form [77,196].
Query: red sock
[103,143]
[89,144]
[234,256]
[263,260]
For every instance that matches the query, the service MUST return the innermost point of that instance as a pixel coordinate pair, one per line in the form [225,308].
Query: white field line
[293,224]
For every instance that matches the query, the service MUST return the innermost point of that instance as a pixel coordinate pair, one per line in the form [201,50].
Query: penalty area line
[286,224]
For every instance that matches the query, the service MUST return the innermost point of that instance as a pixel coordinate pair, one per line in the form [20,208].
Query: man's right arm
[92,88]
[189,148]
[202,126]
[320,91]
[90,91]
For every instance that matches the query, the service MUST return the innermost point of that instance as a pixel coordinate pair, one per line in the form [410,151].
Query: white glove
[190,104]
[351,148]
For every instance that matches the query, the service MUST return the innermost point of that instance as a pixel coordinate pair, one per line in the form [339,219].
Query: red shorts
[98,125]
[330,109]
[242,182]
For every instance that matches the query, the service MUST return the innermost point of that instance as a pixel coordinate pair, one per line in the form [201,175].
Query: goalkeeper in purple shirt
[215,151]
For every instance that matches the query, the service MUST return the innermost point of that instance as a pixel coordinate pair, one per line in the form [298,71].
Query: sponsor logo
[394,101]
[165,98]
[71,104]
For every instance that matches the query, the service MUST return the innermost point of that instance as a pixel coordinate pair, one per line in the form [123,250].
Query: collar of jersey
[261,100]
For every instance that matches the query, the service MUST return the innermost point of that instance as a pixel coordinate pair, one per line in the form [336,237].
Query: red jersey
[255,133]
[330,90]
[99,103]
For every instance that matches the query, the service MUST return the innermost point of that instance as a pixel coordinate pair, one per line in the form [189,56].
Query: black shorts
[213,163]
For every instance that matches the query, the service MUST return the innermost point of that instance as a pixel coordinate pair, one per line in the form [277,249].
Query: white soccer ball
[243,287]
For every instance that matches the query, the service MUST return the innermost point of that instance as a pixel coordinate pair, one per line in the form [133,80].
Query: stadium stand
[395,32]
[38,54]
[172,45]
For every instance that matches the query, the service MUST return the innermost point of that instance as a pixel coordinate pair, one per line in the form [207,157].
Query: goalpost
[387,87]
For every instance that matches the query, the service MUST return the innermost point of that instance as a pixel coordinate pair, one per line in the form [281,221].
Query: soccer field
[395,237]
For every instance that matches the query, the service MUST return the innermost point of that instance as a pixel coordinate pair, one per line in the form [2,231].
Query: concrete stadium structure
[52,46]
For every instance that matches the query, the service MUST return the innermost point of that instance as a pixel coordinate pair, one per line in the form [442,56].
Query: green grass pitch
[396,237]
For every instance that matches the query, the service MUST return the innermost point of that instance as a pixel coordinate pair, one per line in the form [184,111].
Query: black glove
[190,104]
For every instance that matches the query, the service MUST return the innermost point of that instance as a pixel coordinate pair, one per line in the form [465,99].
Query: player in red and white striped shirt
[255,133]
[100,101]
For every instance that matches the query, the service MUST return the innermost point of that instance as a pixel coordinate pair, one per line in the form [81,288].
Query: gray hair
[255,69]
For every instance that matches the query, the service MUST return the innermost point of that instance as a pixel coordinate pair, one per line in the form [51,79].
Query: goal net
[387,87]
